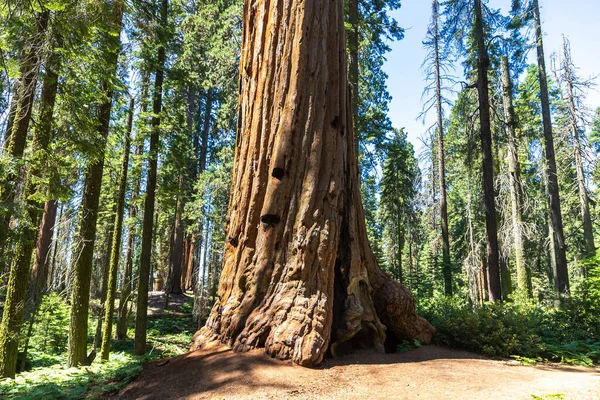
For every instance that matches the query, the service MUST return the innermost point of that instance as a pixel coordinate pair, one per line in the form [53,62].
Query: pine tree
[558,236]
[77,354]
[148,224]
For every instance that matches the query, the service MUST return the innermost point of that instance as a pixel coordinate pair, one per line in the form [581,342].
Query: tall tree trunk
[39,169]
[558,237]
[30,66]
[136,179]
[353,45]
[176,260]
[491,224]
[42,263]
[298,274]
[109,306]
[433,226]
[148,224]
[515,184]
[199,298]
[188,266]
[26,231]
[588,230]
[205,131]
[78,325]
[446,262]
[54,245]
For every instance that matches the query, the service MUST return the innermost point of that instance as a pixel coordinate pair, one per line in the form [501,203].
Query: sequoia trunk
[298,274]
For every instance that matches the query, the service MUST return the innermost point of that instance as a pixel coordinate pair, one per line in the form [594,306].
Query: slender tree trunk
[148,224]
[446,262]
[179,260]
[203,232]
[176,259]
[104,264]
[77,354]
[205,131]
[588,230]
[491,224]
[109,306]
[298,274]
[136,179]
[434,244]
[42,262]
[54,245]
[29,69]
[193,164]
[558,237]
[515,184]
[186,264]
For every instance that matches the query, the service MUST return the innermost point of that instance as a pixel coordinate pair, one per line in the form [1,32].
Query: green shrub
[525,331]
[49,335]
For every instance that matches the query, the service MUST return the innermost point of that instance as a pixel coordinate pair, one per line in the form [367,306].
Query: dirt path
[427,373]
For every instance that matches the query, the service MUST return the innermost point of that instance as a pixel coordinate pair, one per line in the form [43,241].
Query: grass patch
[50,379]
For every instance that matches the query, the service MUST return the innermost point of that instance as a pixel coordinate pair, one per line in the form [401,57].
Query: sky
[578,20]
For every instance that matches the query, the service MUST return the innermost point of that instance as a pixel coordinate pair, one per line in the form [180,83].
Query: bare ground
[429,372]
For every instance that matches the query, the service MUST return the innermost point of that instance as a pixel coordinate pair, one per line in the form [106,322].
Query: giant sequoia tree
[298,274]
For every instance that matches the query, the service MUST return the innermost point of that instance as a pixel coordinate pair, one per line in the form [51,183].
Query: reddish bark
[299,277]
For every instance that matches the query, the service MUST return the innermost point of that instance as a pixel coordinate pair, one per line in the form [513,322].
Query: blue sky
[579,20]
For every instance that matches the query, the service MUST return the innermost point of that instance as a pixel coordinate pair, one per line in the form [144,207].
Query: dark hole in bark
[278,173]
[364,339]
[270,219]
[340,295]
[233,241]
[335,122]
[242,283]
[392,341]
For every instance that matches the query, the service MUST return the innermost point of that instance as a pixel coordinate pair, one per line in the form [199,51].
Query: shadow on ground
[429,372]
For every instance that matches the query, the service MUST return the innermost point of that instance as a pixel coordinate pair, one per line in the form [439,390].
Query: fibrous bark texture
[298,274]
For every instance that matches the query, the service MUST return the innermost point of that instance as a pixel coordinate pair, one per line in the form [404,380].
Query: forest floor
[179,305]
[429,372]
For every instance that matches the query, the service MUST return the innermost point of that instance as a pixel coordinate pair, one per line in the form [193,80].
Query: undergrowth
[48,377]
[525,331]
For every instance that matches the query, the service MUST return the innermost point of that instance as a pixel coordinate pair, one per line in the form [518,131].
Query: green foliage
[398,191]
[48,336]
[49,378]
[527,332]
[73,383]
[554,396]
